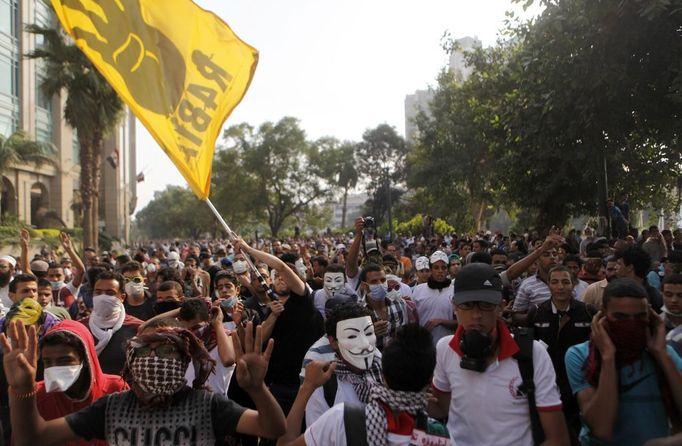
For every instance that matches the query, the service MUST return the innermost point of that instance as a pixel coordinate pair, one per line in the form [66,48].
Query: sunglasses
[482,306]
[161,351]
[136,279]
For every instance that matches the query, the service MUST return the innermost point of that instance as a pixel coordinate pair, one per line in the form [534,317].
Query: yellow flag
[180,69]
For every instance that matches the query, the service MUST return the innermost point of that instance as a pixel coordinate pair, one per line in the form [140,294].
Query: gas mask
[357,341]
[333,283]
[477,347]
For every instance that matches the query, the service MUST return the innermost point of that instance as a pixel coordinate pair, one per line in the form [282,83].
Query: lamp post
[388,198]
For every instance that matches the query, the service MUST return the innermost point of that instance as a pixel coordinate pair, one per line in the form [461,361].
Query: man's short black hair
[54,265]
[335,268]
[498,252]
[131,266]
[482,243]
[168,273]
[341,312]
[573,258]
[409,359]
[44,283]
[62,337]
[673,279]
[481,257]
[368,268]
[289,257]
[193,309]
[171,285]
[560,268]
[624,287]
[638,258]
[321,260]
[21,278]
[110,275]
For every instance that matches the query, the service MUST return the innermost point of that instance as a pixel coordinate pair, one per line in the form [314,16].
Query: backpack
[524,339]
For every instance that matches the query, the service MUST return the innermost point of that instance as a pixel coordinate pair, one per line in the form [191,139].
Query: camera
[368,222]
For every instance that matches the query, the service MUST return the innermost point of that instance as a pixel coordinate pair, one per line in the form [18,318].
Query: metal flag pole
[233,237]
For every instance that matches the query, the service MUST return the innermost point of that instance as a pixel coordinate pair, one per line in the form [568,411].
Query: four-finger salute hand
[20,347]
[252,362]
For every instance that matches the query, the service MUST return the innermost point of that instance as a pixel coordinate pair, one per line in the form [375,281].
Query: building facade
[48,196]
[421,99]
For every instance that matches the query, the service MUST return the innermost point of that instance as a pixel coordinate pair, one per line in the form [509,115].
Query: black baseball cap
[478,282]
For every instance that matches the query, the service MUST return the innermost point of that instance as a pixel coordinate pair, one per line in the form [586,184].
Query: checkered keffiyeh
[159,376]
[397,317]
[397,401]
[362,383]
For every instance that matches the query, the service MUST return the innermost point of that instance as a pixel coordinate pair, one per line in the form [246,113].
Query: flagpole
[233,237]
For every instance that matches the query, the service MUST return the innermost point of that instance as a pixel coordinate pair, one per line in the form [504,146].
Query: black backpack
[524,339]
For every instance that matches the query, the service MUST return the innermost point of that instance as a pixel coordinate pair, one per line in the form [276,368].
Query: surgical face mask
[378,291]
[57,285]
[300,268]
[134,289]
[393,295]
[357,341]
[67,272]
[239,267]
[61,378]
[106,308]
[333,283]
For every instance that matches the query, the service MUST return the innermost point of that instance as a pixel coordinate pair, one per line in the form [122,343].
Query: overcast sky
[340,67]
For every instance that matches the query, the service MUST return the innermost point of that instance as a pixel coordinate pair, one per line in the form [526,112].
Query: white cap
[340,246]
[9,259]
[173,255]
[439,256]
[422,263]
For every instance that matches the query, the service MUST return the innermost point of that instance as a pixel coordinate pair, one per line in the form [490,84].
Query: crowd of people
[485,339]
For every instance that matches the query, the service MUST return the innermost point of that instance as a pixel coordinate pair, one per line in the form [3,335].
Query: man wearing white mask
[7,265]
[334,287]
[109,324]
[139,302]
[390,314]
[73,377]
[350,331]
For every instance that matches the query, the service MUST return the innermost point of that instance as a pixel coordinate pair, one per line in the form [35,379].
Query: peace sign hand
[252,362]
[20,361]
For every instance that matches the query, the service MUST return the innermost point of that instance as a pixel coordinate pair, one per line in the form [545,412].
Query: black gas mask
[477,348]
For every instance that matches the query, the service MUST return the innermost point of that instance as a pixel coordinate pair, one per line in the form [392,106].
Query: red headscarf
[56,404]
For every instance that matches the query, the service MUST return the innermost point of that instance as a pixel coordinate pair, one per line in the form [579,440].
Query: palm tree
[92,108]
[17,149]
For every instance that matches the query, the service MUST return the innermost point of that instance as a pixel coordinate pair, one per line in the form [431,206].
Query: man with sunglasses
[477,378]
[139,302]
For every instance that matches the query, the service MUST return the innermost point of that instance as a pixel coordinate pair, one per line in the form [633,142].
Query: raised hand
[252,362]
[20,356]
[317,373]
[66,241]
[24,238]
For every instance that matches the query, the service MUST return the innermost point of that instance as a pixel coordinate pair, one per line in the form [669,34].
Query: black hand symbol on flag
[143,56]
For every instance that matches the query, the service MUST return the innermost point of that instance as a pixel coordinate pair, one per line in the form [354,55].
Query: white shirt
[219,380]
[320,297]
[329,430]
[484,407]
[5,301]
[317,405]
[434,304]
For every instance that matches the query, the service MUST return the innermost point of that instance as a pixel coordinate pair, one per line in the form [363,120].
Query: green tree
[279,161]
[175,212]
[92,108]
[338,164]
[17,149]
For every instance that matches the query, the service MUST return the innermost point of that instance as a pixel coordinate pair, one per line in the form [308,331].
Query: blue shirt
[641,413]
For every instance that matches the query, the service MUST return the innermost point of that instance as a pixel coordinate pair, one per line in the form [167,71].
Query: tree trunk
[86,189]
[343,208]
[96,180]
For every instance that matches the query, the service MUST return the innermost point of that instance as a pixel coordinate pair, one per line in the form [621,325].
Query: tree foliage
[175,212]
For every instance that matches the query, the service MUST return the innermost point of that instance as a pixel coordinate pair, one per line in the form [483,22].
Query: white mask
[60,378]
[357,341]
[106,308]
[300,268]
[333,283]
[134,289]
[393,295]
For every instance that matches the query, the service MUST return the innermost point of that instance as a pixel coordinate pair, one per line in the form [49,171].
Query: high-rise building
[48,196]
[421,98]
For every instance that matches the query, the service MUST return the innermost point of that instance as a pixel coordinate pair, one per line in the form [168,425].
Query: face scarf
[362,382]
[630,339]
[397,401]
[159,376]
[106,319]
[142,381]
